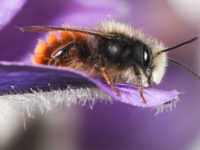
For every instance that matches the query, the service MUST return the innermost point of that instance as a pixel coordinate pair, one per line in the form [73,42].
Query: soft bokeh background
[107,126]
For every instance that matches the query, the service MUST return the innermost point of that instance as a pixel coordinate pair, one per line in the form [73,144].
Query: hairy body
[85,57]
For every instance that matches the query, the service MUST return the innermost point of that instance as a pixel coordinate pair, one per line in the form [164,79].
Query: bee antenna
[179,45]
[185,67]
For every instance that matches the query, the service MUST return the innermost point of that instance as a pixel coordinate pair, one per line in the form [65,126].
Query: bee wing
[52,28]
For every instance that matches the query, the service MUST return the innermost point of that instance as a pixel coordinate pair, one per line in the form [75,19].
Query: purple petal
[21,78]
[90,12]
[154,97]
[8,9]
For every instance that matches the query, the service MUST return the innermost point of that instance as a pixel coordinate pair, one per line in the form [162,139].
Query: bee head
[127,52]
[129,46]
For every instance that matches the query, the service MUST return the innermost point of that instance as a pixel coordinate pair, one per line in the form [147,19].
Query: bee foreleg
[59,53]
[139,82]
[107,77]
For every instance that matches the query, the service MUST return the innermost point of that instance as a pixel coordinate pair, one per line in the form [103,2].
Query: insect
[114,52]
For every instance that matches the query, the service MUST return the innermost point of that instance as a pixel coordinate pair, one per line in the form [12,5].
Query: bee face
[126,52]
[138,48]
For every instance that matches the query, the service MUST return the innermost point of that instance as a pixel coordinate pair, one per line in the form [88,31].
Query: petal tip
[169,105]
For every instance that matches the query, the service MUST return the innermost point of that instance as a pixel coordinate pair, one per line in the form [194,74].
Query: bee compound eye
[146,56]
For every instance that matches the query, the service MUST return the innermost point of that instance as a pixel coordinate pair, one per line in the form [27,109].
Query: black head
[126,52]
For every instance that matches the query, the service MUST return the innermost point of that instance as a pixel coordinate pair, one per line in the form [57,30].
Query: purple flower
[111,126]
[23,79]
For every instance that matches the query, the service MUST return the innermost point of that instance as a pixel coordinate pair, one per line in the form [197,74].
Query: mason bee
[114,52]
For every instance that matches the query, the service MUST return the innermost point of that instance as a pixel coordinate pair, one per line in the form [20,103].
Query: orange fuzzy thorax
[43,50]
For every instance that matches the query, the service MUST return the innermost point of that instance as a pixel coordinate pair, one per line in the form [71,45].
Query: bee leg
[107,77]
[139,83]
[140,89]
[59,53]
[149,83]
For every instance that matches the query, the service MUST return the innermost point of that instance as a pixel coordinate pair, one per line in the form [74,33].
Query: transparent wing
[52,28]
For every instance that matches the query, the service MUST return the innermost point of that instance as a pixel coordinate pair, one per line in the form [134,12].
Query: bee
[113,52]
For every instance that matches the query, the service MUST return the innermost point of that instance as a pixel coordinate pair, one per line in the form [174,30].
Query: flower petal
[8,9]
[20,78]
[154,97]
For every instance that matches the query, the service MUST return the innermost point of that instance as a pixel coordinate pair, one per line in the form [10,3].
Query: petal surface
[18,78]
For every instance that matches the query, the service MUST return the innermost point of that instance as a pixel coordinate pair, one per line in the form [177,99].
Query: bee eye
[146,56]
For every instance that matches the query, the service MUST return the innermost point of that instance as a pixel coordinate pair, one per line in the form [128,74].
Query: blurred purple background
[111,126]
